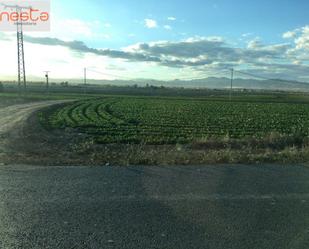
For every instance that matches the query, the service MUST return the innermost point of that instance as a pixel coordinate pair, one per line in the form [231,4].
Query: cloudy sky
[166,40]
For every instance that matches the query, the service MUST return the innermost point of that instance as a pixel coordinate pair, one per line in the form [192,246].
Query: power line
[232,71]
[261,77]
[196,78]
[108,74]
[203,77]
[193,78]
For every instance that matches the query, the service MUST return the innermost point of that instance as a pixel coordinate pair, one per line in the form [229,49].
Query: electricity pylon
[20,46]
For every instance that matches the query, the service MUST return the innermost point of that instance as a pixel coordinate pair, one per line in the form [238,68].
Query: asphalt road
[154,207]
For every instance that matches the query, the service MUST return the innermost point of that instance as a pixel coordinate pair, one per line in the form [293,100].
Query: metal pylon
[21,57]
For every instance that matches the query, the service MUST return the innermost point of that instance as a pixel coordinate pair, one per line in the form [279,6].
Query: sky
[166,40]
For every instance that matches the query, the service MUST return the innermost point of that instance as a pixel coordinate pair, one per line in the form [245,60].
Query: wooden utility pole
[85,79]
[232,79]
[47,81]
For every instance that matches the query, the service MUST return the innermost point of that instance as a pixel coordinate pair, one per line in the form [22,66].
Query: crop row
[135,120]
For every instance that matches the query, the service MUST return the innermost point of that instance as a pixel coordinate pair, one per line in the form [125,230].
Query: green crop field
[170,121]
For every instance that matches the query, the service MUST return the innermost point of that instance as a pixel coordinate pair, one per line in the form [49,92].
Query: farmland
[156,121]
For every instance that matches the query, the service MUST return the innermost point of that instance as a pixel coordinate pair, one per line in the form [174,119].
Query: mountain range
[211,83]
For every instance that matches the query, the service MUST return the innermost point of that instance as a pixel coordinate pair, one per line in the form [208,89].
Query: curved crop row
[159,121]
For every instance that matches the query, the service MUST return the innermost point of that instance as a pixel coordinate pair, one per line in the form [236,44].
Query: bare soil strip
[13,119]
[17,114]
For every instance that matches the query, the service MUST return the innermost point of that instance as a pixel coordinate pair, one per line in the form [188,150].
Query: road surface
[154,207]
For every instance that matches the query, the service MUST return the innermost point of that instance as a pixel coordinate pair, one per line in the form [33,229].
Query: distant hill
[211,82]
[223,83]
[275,84]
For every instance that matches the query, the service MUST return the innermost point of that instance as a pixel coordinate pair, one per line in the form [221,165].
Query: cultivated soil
[24,140]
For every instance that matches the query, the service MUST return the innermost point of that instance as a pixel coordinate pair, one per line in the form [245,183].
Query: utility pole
[21,57]
[232,79]
[20,47]
[85,79]
[47,81]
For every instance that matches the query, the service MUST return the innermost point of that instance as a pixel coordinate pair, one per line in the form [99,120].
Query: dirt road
[15,115]
[12,122]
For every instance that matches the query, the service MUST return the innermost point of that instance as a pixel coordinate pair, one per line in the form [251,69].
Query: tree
[64,84]
[1,87]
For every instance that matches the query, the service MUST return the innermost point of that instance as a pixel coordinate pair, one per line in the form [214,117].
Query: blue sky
[263,18]
[171,39]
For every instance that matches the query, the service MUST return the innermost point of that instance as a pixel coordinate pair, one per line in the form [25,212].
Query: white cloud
[107,25]
[171,18]
[168,27]
[255,43]
[78,27]
[300,51]
[289,34]
[211,54]
[302,42]
[247,34]
[150,23]
[75,29]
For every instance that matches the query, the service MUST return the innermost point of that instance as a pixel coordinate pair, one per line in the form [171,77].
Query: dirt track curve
[13,118]
[14,115]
